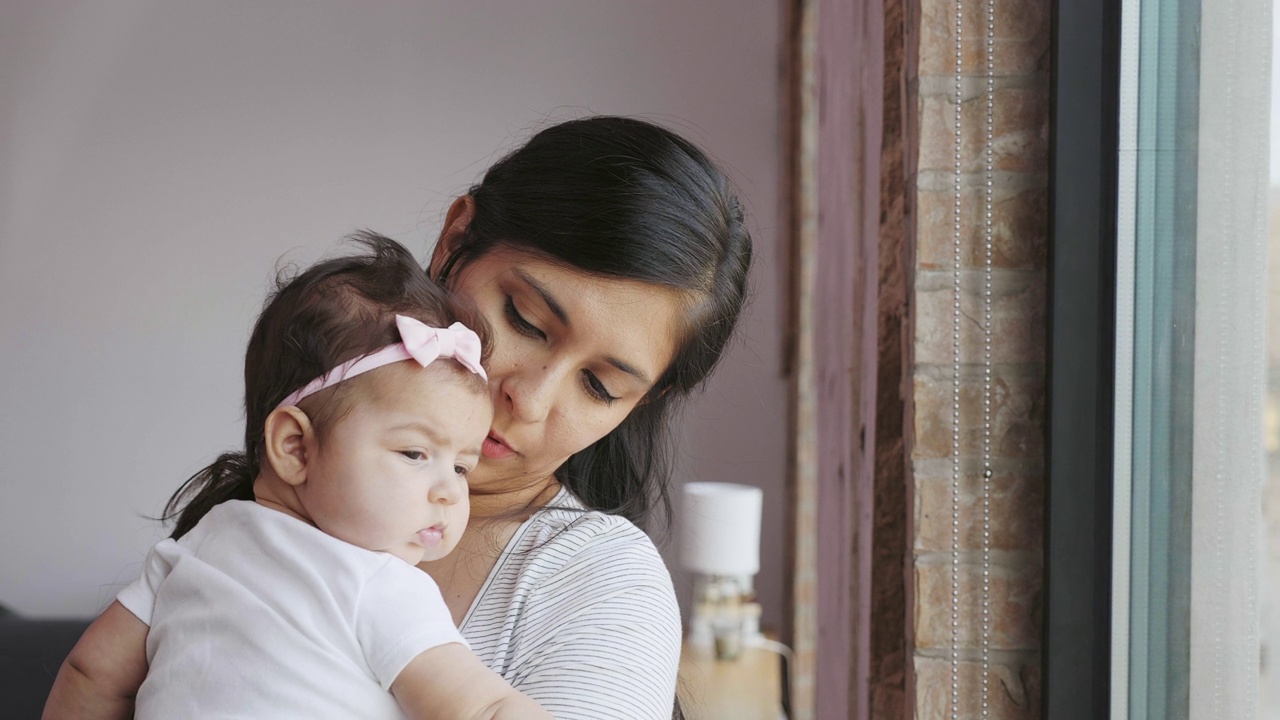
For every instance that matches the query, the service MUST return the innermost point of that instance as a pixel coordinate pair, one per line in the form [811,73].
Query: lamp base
[724,615]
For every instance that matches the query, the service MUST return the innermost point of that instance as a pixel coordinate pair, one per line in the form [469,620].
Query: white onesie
[254,613]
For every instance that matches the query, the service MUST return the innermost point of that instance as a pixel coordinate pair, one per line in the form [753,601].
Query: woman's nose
[529,393]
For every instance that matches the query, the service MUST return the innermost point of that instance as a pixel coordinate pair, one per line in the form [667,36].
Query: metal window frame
[1081,352]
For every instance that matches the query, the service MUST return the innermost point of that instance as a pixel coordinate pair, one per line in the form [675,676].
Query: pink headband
[418,341]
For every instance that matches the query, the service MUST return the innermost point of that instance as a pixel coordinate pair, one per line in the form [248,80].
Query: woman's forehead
[558,277]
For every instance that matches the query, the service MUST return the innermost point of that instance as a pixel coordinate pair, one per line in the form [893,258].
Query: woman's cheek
[593,424]
[564,439]
[508,346]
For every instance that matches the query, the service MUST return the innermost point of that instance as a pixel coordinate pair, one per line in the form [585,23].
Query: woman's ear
[288,434]
[456,222]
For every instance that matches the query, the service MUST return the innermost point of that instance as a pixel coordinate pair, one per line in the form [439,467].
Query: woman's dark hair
[331,312]
[624,198]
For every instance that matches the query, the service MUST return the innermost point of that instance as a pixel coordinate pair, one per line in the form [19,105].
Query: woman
[610,258]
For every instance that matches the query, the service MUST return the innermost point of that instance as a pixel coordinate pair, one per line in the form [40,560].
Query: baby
[288,587]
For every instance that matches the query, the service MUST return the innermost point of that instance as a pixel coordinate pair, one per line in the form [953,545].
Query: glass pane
[1164,344]
[1269,672]
[1226,512]
[1198,275]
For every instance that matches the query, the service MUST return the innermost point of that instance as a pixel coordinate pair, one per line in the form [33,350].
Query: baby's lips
[431,536]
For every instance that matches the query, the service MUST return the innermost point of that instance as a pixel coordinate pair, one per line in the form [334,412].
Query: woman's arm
[450,681]
[101,676]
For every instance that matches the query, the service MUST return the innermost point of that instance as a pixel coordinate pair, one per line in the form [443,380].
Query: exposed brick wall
[1020,221]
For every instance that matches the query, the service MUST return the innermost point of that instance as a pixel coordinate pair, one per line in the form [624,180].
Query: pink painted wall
[157,159]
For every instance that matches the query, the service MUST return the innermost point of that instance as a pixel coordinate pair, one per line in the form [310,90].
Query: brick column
[1018,317]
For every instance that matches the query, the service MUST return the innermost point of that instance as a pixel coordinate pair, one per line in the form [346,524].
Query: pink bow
[426,343]
[418,342]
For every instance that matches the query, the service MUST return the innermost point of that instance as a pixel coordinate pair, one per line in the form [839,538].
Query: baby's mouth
[431,536]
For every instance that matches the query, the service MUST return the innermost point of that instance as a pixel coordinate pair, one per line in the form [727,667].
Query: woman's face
[572,355]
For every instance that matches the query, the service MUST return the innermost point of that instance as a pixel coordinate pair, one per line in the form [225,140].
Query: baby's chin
[436,553]
[411,554]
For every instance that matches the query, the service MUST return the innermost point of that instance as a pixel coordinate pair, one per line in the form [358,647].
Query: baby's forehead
[442,390]
[396,378]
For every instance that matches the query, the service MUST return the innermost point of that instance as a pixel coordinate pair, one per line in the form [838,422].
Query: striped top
[579,614]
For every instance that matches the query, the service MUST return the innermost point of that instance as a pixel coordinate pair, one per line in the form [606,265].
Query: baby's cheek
[461,514]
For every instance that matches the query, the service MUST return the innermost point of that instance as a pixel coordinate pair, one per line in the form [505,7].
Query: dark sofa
[30,653]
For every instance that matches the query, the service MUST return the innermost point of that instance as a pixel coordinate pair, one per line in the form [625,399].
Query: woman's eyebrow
[547,297]
[630,370]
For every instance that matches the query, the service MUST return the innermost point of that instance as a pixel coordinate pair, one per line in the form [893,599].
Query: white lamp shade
[720,528]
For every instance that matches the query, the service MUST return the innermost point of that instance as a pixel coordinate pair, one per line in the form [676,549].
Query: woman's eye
[522,326]
[596,389]
[413,454]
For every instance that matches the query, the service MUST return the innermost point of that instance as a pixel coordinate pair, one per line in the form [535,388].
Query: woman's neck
[511,503]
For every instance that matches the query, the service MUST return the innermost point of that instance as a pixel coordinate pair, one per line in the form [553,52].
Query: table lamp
[720,545]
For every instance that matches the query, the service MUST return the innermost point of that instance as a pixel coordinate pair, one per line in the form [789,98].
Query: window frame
[1080,444]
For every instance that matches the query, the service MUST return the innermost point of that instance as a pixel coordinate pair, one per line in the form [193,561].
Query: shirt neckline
[506,554]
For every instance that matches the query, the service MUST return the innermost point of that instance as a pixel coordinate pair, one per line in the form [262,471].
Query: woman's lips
[494,448]
[431,536]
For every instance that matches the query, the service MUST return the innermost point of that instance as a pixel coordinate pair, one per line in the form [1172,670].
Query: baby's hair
[333,311]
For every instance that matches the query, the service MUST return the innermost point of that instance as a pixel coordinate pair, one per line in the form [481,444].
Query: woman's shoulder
[580,613]
[566,538]
[568,524]
[588,566]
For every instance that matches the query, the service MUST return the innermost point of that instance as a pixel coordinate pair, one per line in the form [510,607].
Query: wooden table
[749,688]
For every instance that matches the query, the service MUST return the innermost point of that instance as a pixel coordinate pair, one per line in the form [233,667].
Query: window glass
[1203,519]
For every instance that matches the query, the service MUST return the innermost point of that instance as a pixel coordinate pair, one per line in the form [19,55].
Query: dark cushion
[31,651]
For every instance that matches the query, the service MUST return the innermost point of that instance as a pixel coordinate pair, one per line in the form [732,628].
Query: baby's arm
[104,671]
[449,681]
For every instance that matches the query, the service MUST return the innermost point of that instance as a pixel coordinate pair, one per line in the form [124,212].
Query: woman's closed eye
[595,388]
[521,325]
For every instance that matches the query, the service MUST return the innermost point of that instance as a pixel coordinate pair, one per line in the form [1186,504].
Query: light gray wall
[157,158]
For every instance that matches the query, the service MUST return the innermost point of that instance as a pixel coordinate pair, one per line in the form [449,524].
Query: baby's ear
[288,432]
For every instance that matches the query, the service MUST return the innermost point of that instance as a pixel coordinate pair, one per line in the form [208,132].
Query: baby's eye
[413,454]
[461,470]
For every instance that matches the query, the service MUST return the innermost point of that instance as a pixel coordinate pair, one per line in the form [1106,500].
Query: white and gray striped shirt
[579,613]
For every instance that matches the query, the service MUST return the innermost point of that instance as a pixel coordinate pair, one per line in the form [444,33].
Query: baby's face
[391,474]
